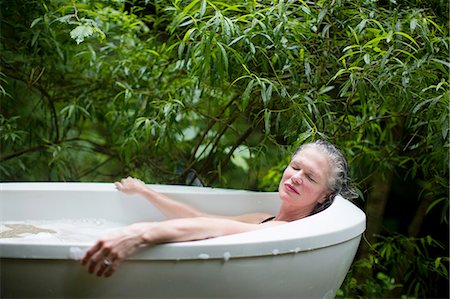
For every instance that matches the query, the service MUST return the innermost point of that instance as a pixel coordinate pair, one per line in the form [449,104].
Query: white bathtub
[307,258]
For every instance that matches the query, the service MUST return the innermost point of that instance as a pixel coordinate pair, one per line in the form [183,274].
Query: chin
[287,197]
[284,196]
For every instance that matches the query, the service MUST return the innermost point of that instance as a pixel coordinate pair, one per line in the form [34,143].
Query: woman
[316,173]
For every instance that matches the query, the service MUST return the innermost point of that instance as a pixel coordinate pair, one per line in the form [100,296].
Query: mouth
[290,188]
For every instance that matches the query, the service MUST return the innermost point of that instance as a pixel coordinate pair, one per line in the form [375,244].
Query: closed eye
[309,177]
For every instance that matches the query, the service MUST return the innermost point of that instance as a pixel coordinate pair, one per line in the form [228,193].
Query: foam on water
[55,231]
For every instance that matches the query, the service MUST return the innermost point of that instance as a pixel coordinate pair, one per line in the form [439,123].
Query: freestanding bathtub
[307,258]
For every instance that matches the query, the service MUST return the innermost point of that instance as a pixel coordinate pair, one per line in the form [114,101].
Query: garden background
[220,93]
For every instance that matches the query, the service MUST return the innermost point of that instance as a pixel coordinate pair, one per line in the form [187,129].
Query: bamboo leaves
[224,89]
[81,32]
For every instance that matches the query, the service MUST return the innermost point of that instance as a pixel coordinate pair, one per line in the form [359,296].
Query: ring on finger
[107,262]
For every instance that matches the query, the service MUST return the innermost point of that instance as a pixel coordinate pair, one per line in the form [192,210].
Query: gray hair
[339,180]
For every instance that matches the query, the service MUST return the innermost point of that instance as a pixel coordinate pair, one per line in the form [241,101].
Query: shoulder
[254,218]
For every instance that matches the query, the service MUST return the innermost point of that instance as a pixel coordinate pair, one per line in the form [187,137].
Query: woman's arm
[118,245]
[169,207]
[174,209]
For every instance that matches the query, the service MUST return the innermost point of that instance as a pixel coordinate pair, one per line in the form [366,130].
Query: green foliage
[97,90]
[412,274]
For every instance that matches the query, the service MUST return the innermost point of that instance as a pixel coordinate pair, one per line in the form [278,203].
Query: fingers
[123,182]
[110,270]
[124,185]
[101,260]
[97,260]
[106,255]
[107,266]
[118,185]
[129,181]
[90,253]
[129,185]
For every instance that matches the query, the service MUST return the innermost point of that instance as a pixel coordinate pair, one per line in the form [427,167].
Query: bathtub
[307,258]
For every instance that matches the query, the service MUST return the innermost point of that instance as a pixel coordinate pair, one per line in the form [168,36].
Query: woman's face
[304,181]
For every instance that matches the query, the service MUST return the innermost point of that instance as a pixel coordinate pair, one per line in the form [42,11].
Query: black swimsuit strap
[268,219]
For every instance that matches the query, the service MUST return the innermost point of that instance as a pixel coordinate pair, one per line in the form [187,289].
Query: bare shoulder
[254,218]
[272,223]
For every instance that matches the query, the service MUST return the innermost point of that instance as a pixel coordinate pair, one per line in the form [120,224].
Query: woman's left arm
[115,247]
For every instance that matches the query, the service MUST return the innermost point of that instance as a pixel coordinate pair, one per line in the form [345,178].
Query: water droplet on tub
[203,256]
[75,253]
[275,252]
[226,256]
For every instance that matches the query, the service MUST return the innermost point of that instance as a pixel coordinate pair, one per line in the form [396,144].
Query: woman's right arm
[174,209]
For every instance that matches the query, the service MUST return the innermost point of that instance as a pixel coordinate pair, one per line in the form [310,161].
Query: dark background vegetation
[221,93]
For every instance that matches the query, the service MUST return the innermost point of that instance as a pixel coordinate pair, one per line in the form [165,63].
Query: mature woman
[317,172]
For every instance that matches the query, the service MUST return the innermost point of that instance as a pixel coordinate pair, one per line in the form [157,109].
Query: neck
[288,214]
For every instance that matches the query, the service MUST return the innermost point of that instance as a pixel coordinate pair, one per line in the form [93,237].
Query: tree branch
[23,152]
[225,160]
[213,121]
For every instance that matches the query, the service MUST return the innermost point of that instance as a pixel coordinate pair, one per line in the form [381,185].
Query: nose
[296,178]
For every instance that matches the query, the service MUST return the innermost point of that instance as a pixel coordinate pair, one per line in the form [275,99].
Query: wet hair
[339,180]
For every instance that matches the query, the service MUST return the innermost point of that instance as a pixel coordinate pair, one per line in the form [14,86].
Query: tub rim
[327,228]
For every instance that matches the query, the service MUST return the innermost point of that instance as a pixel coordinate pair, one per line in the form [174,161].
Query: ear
[323,199]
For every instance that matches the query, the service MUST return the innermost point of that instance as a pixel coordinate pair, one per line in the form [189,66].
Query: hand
[130,185]
[106,255]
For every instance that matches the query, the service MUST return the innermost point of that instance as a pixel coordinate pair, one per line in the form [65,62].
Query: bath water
[56,231]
